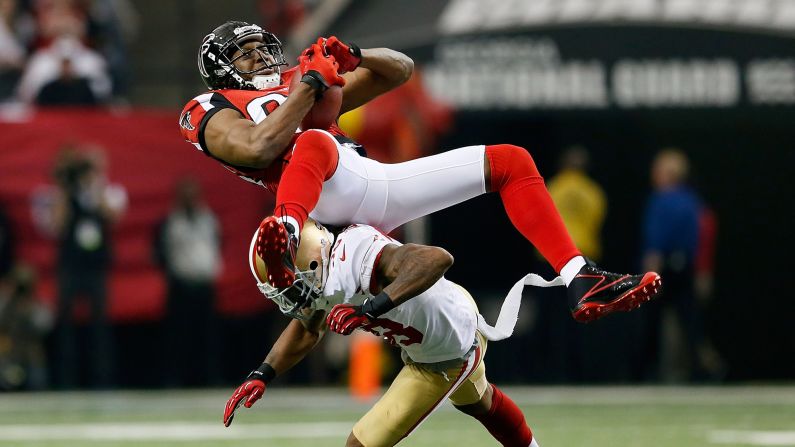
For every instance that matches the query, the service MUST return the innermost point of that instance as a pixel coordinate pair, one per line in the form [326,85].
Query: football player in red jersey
[249,121]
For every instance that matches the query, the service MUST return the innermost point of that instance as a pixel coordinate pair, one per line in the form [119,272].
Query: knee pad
[509,162]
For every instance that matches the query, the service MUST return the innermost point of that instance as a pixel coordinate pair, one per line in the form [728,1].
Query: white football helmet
[311,270]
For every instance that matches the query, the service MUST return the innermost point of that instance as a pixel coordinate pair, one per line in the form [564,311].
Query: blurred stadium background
[101,83]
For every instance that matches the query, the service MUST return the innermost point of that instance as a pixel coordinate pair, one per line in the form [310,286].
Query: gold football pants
[416,392]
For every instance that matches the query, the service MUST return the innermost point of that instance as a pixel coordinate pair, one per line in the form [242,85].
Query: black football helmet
[217,67]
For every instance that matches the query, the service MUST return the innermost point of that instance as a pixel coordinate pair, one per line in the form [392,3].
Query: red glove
[318,69]
[251,390]
[348,56]
[344,318]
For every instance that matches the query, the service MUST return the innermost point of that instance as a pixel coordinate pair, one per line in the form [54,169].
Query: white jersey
[436,325]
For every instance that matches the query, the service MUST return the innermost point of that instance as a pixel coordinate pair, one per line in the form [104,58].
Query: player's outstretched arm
[403,272]
[297,339]
[295,342]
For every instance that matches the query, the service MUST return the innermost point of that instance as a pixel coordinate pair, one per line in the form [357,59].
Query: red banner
[146,155]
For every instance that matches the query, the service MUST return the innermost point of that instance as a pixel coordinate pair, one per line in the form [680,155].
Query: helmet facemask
[217,57]
[269,50]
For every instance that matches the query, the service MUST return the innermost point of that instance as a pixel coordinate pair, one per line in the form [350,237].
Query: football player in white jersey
[364,279]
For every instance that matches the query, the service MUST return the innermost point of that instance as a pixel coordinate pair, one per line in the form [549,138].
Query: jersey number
[395,333]
[261,107]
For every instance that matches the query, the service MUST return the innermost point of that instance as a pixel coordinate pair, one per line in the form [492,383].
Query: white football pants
[388,195]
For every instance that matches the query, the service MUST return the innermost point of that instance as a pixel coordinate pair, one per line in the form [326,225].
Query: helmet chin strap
[263,82]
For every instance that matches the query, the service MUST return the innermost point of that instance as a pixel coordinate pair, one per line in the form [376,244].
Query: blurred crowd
[70,342]
[65,52]
[76,212]
[85,206]
[76,52]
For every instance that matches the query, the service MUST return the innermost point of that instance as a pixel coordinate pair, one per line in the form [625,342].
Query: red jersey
[254,105]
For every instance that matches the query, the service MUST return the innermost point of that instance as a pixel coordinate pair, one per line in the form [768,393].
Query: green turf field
[593,417]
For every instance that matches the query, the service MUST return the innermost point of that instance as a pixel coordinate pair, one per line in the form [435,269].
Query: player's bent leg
[486,403]
[502,418]
[414,394]
[388,195]
[425,185]
[513,174]
[592,293]
[473,390]
[480,407]
[314,160]
[347,196]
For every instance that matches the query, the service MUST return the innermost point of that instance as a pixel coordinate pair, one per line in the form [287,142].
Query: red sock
[506,422]
[528,204]
[314,161]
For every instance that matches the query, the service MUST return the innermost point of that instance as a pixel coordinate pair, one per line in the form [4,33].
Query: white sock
[570,270]
[534,443]
[291,221]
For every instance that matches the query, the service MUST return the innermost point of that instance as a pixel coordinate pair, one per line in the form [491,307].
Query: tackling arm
[297,339]
[403,273]
[408,270]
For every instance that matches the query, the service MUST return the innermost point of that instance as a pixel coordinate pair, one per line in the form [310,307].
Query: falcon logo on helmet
[217,65]
[311,270]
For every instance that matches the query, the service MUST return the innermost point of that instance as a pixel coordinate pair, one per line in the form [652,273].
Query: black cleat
[595,293]
[277,245]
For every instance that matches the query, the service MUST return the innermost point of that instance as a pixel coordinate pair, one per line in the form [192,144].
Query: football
[324,113]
